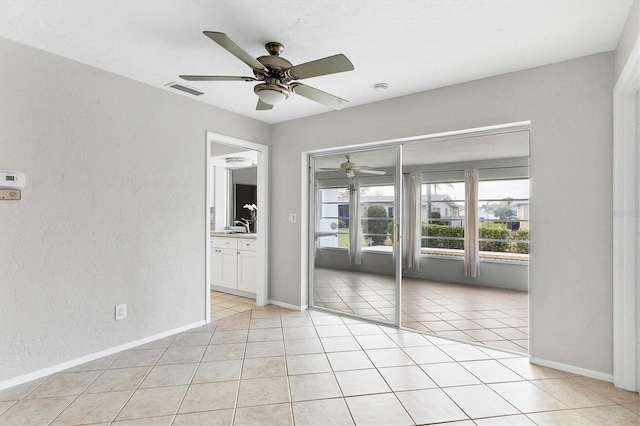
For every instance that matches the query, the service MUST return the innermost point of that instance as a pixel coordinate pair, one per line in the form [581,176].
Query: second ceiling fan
[278,76]
[350,169]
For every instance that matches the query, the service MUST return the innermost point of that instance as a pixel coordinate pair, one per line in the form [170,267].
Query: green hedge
[520,234]
[493,233]
[435,230]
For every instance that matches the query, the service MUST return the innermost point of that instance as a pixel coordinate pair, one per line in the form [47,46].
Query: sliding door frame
[309,206]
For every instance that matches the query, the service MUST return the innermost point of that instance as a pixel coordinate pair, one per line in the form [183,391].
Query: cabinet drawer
[231,243]
[247,245]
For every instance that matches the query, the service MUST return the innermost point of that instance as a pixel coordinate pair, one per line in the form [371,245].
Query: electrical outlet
[292,218]
[121,311]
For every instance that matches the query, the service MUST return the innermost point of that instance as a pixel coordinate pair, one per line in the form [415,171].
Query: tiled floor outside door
[492,316]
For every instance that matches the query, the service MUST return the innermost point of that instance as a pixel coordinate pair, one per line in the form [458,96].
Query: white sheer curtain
[355,231]
[412,220]
[471,244]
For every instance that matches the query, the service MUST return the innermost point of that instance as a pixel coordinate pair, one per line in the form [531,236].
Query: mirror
[234,184]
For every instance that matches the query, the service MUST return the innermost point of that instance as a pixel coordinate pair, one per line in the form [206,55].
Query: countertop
[225,234]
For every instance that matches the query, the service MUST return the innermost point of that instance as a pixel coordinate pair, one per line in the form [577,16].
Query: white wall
[628,38]
[113,210]
[569,105]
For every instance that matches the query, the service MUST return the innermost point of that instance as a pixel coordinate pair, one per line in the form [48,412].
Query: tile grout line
[83,390]
[141,381]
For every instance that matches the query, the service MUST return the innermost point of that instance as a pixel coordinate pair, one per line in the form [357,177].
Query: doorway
[220,217]
[411,270]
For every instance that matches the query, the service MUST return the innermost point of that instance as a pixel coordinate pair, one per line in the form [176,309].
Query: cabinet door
[247,271]
[224,268]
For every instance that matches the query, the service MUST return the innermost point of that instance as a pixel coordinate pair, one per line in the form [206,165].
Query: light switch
[292,218]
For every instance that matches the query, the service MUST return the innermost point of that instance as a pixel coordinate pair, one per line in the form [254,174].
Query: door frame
[262,241]
[624,213]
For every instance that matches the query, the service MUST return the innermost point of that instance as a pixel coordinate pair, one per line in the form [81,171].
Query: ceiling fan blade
[263,106]
[234,49]
[329,65]
[372,172]
[329,169]
[215,78]
[318,96]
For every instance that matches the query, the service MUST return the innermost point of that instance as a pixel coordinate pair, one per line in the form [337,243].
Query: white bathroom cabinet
[233,265]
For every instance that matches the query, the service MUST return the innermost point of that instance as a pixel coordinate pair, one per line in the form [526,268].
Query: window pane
[377,215]
[443,219]
[503,208]
[503,189]
[332,217]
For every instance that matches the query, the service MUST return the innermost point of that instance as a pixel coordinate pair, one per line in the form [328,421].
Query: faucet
[244,222]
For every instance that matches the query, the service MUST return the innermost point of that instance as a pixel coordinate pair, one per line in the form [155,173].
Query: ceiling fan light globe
[271,97]
[270,93]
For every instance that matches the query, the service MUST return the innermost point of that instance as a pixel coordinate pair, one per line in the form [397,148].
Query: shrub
[520,234]
[376,224]
[494,234]
[342,223]
[434,230]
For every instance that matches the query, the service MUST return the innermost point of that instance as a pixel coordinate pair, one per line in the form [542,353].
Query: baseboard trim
[572,369]
[74,362]
[288,306]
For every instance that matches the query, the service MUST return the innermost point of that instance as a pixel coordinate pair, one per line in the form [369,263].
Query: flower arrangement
[254,213]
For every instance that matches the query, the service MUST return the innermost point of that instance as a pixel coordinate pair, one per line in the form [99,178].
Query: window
[376,214]
[377,202]
[443,234]
[332,227]
[503,207]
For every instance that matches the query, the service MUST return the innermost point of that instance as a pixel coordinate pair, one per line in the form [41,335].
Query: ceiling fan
[350,168]
[278,75]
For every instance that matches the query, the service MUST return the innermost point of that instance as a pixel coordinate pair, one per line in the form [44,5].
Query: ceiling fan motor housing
[276,67]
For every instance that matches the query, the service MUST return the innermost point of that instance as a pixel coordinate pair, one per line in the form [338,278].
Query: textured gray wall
[113,210]
[569,105]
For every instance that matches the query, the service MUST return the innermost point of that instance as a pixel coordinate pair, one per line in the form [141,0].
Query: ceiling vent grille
[184,88]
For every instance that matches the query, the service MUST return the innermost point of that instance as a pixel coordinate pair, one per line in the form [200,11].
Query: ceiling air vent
[184,88]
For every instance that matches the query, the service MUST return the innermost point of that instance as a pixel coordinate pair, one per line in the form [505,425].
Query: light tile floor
[224,305]
[272,366]
[492,316]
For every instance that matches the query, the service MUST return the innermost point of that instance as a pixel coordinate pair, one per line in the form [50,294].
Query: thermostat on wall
[13,180]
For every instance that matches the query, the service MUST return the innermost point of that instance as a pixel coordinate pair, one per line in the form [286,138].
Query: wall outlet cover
[292,218]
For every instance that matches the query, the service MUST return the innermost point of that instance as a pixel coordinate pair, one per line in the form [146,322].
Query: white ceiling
[412,45]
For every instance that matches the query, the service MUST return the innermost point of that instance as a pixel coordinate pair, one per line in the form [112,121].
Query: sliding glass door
[448,217]
[355,233]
